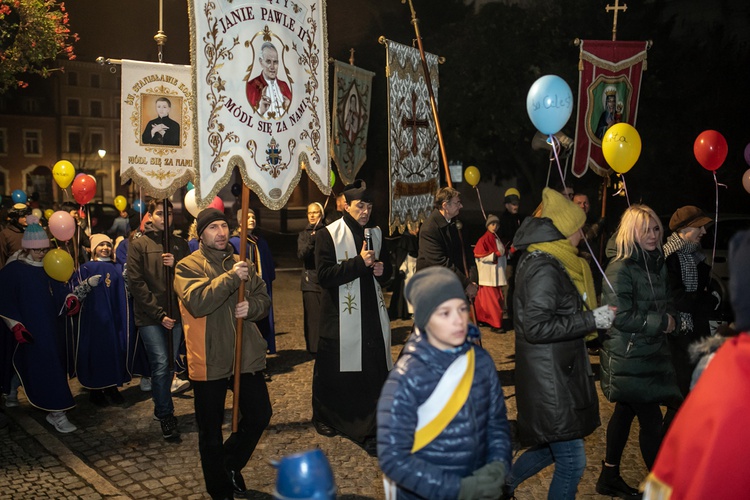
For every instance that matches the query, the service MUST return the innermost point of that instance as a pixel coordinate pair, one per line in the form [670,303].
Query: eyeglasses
[40,250]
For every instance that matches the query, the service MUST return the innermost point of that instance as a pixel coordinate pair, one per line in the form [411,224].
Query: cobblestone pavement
[118,452]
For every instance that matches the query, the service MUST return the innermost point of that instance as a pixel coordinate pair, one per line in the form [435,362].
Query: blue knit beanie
[34,236]
[739,279]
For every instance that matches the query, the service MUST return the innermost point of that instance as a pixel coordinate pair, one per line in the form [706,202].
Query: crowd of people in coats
[151,304]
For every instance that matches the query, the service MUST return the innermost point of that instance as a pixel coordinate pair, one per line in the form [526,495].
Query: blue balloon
[139,206]
[18,196]
[190,186]
[549,104]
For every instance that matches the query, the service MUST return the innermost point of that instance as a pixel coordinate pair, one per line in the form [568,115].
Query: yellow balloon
[58,264]
[471,174]
[64,172]
[120,203]
[621,147]
[48,213]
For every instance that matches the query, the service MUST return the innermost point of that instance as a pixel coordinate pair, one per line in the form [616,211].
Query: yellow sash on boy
[446,400]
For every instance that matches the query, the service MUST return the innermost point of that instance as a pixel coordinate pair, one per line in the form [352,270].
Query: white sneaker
[60,422]
[145,384]
[179,385]
[11,400]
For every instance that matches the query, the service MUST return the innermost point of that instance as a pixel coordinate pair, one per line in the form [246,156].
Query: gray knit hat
[428,289]
[206,217]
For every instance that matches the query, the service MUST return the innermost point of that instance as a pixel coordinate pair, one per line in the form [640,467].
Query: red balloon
[217,204]
[84,189]
[710,150]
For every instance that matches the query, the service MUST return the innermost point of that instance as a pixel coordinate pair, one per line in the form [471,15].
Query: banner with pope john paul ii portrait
[260,72]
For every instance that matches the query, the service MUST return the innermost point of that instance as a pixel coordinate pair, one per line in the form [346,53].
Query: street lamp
[102,154]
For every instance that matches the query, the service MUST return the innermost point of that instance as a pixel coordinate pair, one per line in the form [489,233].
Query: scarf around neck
[576,267]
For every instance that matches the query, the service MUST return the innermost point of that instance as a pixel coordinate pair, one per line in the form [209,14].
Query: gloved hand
[495,470]
[72,304]
[22,335]
[484,484]
[85,287]
[604,316]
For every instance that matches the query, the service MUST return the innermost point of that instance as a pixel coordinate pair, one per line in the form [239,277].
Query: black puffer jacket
[555,389]
[635,358]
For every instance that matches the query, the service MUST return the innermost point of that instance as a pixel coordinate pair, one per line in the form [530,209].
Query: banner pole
[240,321]
[428,82]
[168,279]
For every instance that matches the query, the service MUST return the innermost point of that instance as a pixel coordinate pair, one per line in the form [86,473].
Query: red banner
[608,93]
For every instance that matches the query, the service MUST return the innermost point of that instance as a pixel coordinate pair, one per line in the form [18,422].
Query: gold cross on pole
[617,7]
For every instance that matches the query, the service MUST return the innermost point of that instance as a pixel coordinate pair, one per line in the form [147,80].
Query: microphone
[368,239]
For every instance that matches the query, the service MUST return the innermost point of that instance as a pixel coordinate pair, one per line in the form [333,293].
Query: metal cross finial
[351,56]
[617,7]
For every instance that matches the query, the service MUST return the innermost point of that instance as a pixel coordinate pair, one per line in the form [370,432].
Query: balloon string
[480,203]
[599,266]
[716,219]
[625,188]
[555,145]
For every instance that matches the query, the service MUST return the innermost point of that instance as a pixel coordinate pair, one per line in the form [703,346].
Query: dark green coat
[635,359]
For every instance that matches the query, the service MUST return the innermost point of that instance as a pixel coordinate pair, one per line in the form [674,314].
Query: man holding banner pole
[208,283]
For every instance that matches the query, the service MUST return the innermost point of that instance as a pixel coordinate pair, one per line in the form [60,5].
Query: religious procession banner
[156,148]
[608,93]
[351,117]
[414,150]
[260,72]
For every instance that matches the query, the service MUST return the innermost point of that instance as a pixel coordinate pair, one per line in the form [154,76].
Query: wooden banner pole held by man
[168,280]
[428,82]
[240,298]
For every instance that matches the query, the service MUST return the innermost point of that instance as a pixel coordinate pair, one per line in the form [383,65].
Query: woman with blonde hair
[637,372]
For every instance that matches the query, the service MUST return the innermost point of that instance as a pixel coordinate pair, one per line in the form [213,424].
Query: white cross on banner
[260,71]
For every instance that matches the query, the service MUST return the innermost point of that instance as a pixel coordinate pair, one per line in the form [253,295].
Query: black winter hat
[208,216]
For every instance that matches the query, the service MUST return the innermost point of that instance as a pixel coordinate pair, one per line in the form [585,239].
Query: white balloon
[190,204]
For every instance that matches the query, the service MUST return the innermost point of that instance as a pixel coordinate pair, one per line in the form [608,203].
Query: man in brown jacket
[207,283]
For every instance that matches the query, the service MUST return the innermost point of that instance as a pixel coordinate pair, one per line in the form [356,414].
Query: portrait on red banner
[608,92]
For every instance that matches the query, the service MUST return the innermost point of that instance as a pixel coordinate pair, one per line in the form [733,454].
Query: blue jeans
[569,458]
[155,342]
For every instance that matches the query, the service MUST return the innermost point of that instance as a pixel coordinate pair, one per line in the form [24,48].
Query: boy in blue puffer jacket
[443,432]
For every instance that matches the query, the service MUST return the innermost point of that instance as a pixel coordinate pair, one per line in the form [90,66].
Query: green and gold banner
[351,116]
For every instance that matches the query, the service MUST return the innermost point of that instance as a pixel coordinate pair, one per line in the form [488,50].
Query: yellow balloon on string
[471,174]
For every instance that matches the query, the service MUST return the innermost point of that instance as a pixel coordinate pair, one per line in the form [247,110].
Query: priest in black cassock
[354,350]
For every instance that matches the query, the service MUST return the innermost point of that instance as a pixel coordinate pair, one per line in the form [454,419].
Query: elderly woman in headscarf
[554,309]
